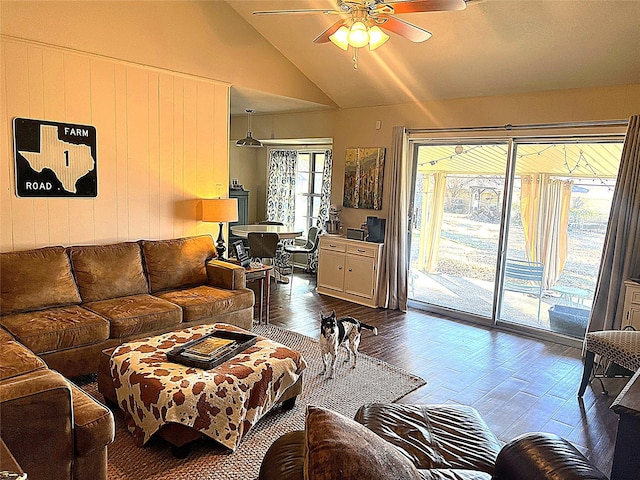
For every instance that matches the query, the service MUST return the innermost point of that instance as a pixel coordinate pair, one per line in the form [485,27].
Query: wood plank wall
[163,141]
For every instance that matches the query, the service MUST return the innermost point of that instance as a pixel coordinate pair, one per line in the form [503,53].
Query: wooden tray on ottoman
[188,355]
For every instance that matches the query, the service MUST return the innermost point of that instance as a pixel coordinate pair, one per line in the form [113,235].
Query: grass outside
[465,275]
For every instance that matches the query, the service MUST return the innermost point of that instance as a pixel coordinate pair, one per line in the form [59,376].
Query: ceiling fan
[365,21]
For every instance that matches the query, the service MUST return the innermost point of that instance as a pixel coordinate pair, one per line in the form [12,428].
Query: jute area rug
[371,381]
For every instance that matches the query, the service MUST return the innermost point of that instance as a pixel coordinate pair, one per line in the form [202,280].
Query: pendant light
[248,141]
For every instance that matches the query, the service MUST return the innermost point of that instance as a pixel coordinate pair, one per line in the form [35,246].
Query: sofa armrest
[226,275]
[36,423]
[8,462]
[535,456]
[285,458]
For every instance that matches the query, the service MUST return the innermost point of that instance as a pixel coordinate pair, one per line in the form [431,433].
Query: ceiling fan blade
[324,36]
[417,6]
[308,10]
[405,29]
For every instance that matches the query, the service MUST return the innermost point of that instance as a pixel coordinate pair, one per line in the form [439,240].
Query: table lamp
[220,210]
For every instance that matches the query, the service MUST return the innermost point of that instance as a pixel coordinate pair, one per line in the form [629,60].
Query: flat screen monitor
[376,227]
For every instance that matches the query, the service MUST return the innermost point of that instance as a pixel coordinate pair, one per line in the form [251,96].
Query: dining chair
[309,247]
[264,245]
[269,222]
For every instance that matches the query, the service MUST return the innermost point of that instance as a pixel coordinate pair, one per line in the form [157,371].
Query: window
[308,188]
[299,187]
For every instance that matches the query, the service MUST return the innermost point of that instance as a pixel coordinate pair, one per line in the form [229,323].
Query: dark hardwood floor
[518,384]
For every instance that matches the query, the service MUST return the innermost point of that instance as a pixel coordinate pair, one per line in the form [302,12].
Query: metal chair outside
[524,277]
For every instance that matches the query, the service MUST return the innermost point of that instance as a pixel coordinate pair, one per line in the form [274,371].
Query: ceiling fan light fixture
[340,38]
[248,141]
[376,37]
[358,35]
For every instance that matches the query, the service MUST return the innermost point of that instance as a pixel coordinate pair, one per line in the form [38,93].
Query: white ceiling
[494,47]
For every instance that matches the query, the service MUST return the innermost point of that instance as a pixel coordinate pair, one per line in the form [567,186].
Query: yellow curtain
[430,231]
[529,204]
[544,206]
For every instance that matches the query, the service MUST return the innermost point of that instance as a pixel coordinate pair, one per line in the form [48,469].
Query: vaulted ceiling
[493,47]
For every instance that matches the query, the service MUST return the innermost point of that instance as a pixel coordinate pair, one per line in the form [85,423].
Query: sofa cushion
[136,314]
[5,336]
[177,263]
[108,271]
[206,302]
[338,447]
[434,436]
[36,279]
[94,426]
[15,360]
[57,328]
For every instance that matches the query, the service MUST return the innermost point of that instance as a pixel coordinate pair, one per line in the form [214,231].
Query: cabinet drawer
[365,250]
[333,245]
[635,296]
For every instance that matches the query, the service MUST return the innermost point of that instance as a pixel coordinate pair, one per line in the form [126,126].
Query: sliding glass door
[559,209]
[511,231]
[457,211]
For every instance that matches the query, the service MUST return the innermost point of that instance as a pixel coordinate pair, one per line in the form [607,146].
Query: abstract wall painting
[364,169]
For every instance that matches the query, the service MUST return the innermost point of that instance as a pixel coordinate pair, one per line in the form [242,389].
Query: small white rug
[371,381]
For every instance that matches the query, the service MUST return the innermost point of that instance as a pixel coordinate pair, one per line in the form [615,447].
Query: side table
[626,463]
[262,275]
[567,294]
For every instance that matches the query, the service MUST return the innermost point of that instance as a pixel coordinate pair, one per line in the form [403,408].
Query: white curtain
[621,252]
[395,253]
[281,186]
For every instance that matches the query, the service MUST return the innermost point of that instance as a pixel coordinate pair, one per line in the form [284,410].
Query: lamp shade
[219,209]
[248,141]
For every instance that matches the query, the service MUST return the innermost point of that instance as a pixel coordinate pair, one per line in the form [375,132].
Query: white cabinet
[349,269]
[631,314]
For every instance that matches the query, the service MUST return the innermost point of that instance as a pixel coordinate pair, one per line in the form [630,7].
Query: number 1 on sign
[66,157]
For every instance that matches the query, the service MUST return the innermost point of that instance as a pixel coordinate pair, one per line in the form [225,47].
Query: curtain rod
[534,126]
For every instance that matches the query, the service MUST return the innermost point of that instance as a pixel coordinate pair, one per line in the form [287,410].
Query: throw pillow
[338,447]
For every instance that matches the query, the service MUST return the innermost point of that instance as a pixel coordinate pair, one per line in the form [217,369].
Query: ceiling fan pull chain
[355,58]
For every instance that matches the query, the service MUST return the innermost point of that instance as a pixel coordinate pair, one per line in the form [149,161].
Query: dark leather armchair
[435,442]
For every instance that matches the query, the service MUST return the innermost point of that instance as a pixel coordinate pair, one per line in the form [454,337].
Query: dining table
[283,231]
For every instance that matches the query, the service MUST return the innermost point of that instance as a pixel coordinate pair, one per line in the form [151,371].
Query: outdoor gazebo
[546,174]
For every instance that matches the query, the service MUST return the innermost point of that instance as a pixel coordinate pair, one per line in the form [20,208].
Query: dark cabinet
[243,212]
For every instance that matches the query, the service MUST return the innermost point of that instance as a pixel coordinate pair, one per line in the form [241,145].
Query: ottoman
[182,403]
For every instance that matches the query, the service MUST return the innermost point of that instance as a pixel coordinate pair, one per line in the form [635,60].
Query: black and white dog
[334,332]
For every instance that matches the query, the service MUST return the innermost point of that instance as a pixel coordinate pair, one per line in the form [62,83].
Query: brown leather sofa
[60,307]
[68,304]
[417,442]
[50,428]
